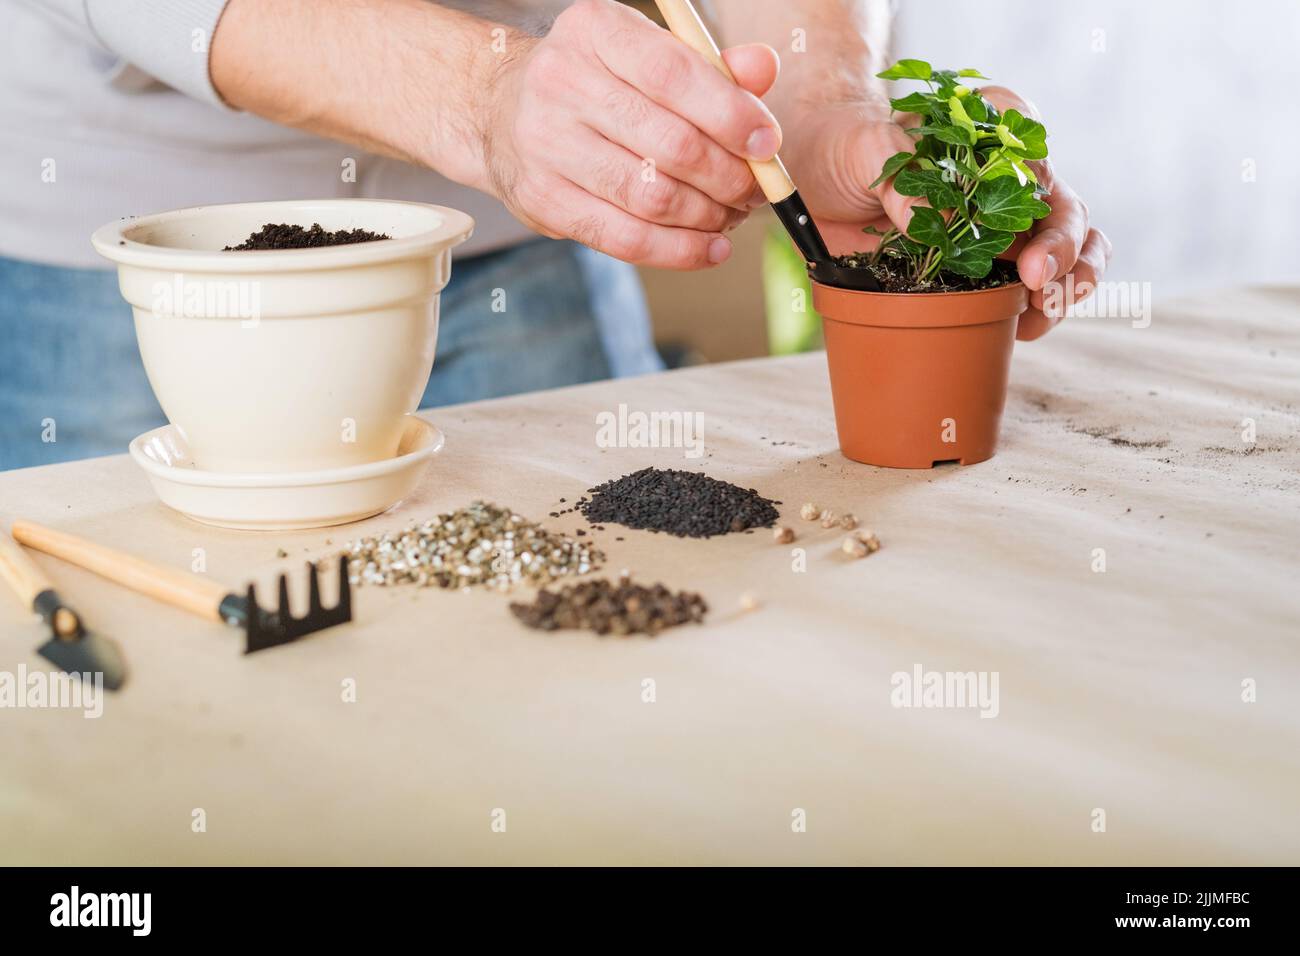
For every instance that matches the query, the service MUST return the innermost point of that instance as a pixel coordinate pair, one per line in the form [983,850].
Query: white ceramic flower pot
[286,360]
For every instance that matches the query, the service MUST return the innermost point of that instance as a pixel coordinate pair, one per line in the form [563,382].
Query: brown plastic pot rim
[839,289]
[920,309]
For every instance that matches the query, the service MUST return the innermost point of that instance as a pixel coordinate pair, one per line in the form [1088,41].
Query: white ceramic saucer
[283,502]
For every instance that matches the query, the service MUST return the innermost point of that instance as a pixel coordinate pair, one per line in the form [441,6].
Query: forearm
[831,61]
[828,66]
[403,78]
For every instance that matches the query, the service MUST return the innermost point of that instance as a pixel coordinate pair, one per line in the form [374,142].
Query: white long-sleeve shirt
[107,110]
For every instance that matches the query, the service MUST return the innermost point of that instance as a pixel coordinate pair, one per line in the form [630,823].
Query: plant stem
[999,153]
[889,236]
[928,264]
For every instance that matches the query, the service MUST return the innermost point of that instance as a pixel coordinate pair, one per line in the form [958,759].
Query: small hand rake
[197,595]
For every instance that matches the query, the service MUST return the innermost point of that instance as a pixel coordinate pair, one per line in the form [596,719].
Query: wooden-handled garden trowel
[71,647]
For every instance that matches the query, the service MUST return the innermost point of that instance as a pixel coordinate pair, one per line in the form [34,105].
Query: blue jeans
[72,384]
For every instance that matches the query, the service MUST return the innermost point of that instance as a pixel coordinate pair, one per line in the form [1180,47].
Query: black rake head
[266,629]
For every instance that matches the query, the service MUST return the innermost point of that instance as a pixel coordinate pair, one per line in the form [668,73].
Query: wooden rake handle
[686,25]
[21,573]
[177,588]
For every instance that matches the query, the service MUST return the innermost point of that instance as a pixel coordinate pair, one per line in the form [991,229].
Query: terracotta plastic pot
[919,378]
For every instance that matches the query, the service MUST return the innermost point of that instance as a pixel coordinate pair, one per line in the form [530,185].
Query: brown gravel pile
[607,607]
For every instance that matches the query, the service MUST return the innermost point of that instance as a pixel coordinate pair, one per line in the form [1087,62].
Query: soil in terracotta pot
[892,275]
[285,236]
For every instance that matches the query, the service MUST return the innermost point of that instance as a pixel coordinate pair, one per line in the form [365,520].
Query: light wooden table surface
[1119,691]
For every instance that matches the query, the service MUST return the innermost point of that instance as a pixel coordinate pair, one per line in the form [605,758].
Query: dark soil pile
[892,275]
[684,503]
[606,607]
[285,236]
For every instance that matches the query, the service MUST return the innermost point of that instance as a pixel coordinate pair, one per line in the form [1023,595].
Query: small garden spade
[205,598]
[684,23]
[71,647]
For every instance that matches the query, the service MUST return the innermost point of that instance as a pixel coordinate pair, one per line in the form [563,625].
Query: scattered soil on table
[1244,449]
[683,503]
[1107,433]
[1068,411]
[892,275]
[285,236]
[608,607]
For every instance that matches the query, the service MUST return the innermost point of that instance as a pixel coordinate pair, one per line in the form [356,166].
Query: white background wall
[1154,128]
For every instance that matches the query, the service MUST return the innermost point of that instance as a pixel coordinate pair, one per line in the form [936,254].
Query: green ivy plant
[971,165]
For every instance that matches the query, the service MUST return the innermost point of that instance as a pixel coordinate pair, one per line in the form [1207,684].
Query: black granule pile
[285,236]
[684,503]
[605,607]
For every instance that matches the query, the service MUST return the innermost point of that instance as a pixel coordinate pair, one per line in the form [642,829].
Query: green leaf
[989,242]
[913,248]
[1026,174]
[892,165]
[957,168]
[1003,203]
[977,108]
[959,116]
[946,80]
[1030,133]
[973,256]
[941,193]
[927,147]
[896,245]
[907,70]
[901,247]
[1009,138]
[977,267]
[911,182]
[1002,167]
[928,228]
[956,135]
[913,103]
[971,71]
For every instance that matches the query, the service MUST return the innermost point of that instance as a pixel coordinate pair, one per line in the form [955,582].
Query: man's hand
[841,132]
[611,131]
[563,128]
[853,146]
[1061,244]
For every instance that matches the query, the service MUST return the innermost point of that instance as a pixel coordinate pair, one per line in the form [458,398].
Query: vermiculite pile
[684,503]
[605,607]
[481,545]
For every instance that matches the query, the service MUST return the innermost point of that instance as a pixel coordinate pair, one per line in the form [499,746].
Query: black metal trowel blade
[88,654]
[74,649]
